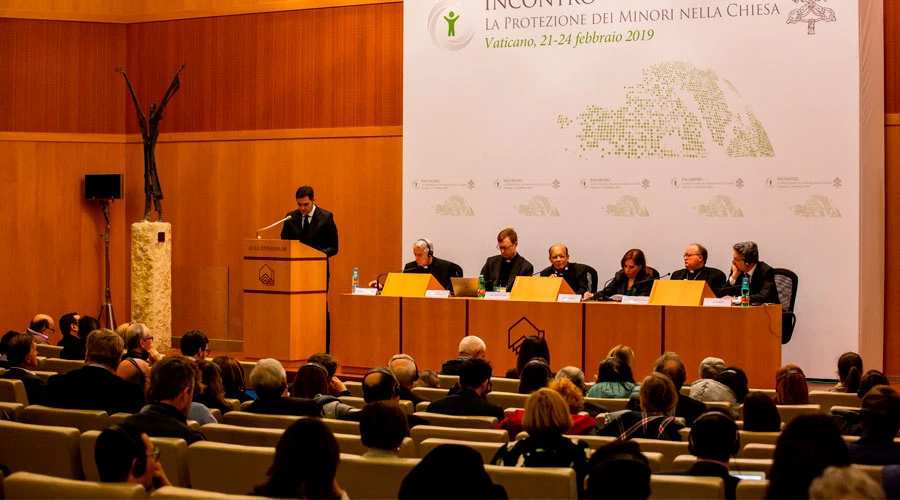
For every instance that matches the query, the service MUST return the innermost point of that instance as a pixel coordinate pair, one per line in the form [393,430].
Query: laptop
[464,287]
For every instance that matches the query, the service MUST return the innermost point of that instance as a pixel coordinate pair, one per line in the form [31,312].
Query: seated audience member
[880,422]
[41,327]
[428,378]
[380,385]
[614,380]
[194,345]
[123,455]
[312,382]
[211,393]
[96,385]
[846,483]
[618,470]
[172,383]
[714,439]
[581,424]
[790,386]
[336,387]
[848,421]
[808,444]
[575,275]
[729,386]
[687,408]
[710,367]
[21,351]
[136,371]
[76,350]
[305,465]
[850,370]
[745,262]
[869,381]
[462,465]
[532,347]
[574,374]
[269,380]
[139,343]
[120,330]
[655,420]
[4,342]
[500,271]
[890,480]
[469,347]
[232,378]
[474,382]
[624,354]
[695,268]
[406,372]
[635,278]
[546,419]
[535,375]
[68,326]
[760,413]
[382,427]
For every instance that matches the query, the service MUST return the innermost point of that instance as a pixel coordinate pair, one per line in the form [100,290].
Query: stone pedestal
[151,279]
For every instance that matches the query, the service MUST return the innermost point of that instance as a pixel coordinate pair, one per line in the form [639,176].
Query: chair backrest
[83,420]
[373,477]
[686,487]
[748,437]
[685,390]
[352,444]
[48,351]
[465,422]
[758,450]
[786,283]
[235,404]
[509,411]
[487,450]
[423,406]
[11,411]
[217,414]
[534,482]
[429,393]
[735,464]
[790,412]
[875,472]
[592,278]
[57,365]
[245,436]
[245,419]
[45,376]
[655,459]
[173,456]
[503,384]
[768,392]
[13,391]
[356,402]
[355,388]
[176,492]
[594,441]
[31,485]
[752,490]
[54,451]
[118,418]
[448,381]
[420,433]
[228,468]
[724,406]
[827,399]
[246,404]
[611,404]
[341,426]
[669,449]
[507,399]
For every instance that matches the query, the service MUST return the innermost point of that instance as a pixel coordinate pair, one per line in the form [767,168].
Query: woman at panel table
[635,278]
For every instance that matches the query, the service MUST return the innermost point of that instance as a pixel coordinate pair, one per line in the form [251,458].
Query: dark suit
[162,420]
[322,233]
[466,402]
[67,340]
[709,469]
[34,385]
[619,285]
[74,351]
[94,388]
[491,271]
[409,395]
[576,276]
[873,451]
[715,278]
[762,285]
[441,269]
[301,407]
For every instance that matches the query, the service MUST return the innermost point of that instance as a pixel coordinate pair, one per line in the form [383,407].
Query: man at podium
[695,268]
[500,271]
[311,225]
[576,275]
[427,263]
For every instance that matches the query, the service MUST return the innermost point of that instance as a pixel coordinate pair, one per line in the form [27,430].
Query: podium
[680,293]
[538,288]
[285,285]
[409,285]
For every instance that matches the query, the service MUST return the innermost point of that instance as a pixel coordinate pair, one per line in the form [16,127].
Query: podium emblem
[521,329]
[267,275]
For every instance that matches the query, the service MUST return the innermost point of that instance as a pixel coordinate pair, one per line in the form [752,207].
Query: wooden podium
[538,288]
[679,293]
[409,285]
[285,285]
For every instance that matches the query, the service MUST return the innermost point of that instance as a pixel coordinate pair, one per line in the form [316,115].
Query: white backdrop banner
[613,124]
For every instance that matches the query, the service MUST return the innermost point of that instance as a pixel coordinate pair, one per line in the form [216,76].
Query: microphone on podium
[650,279]
[271,226]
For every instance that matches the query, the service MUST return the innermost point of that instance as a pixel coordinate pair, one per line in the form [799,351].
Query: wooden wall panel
[892,241]
[52,252]
[339,67]
[58,77]
[891,56]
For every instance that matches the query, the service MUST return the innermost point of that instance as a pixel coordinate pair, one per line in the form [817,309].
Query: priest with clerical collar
[500,271]
[576,275]
[695,268]
[427,263]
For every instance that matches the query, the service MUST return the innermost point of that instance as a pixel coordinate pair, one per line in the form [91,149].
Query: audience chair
[758,450]
[465,422]
[683,462]
[245,404]
[487,450]
[245,436]
[448,381]
[592,277]
[374,477]
[54,451]
[876,472]
[355,389]
[535,482]
[173,456]
[685,433]
[13,391]
[827,400]
[720,405]
[843,408]
[118,418]
[228,468]
[686,487]
[423,432]
[508,411]
[748,437]
[429,394]
[593,441]
[786,284]
[502,384]
[669,449]
[341,426]
[790,412]
[352,444]
[356,402]
[235,404]
[83,420]
[45,376]
[423,406]
[56,365]
[245,419]
[507,399]
[48,351]
[752,490]
[30,485]
[217,414]
[176,492]
[685,390]
[655,459]
[610,404]
[11,411]
[768,392]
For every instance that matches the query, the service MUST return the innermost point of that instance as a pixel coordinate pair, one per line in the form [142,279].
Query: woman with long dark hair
[306,461]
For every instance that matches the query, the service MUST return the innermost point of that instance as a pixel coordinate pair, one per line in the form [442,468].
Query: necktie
[305,225]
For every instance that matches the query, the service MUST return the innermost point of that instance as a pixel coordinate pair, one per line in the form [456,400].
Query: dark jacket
[74,351]
[546,451]
[34,385]
[491,271]
[285,406]
[94,388]
[710,469]
[635,424]
[466,402]
[762,285]
[576,276]
[211,402]
[162,420]
[452,366]
[68,340]
[869,450]
[712,276]
[322,233]
[441,269]
[619,285]
[408,395]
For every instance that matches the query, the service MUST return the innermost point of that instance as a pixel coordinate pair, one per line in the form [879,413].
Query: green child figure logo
[451,19]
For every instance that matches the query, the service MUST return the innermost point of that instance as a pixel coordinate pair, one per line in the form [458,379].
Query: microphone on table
[599,297]
[379,285]
[648,280]
[271,226]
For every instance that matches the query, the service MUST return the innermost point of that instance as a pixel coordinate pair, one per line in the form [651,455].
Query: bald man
[41,327]
[576,275]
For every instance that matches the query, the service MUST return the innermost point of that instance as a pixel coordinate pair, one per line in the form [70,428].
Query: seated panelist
[576,275]
[500,271]
[745,262]
[635,278]
[695,268]
[427,263]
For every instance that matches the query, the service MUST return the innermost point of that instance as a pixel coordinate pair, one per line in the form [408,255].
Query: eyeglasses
[489,387]
[154,454]
[690,255]
[504,248]
[147,338]
[52,330]
[207,351]
[738,260]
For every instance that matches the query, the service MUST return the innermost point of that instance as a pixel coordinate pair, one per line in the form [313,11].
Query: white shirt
[748,273]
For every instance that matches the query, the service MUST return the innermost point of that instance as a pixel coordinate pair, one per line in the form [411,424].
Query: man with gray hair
[426,263]
[576,376]
[269,380]
[688,408]
[469,347]
[745,262]
[139,343]
[710,367]
[405,370]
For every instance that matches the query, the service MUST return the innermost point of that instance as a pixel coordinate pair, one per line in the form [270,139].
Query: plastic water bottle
[745,292]
[481,286]
[354,284]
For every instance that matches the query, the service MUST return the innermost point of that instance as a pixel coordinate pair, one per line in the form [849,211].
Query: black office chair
[786,283]
[592,277]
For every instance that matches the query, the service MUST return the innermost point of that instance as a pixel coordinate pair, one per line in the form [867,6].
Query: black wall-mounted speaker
[103,186]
